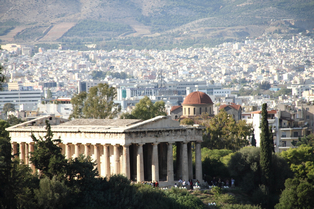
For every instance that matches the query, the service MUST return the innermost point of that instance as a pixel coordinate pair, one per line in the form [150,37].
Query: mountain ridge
[173,20]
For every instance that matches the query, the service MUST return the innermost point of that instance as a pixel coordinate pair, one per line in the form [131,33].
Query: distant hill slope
[167,21]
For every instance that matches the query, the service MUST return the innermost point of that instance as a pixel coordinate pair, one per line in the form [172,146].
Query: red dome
[196,98]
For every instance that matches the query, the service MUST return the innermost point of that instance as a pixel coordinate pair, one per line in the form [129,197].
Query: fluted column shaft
[26,154]
[14,150]
[126,161]
[116,158]
[190,160]
[86,148]
[140,163]
[97,157]
[68,151]
[170,163]
[106,161]
[155,166]
[22,152]
[77,150]
[31,149]
[198,162]
[185,173]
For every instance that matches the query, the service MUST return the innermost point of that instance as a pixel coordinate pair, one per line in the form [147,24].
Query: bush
[187,121]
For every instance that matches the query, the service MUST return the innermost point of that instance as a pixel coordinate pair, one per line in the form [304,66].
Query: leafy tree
[266,155]
[98,103]
[297,194]
[146,109]
[13,120]
[8,107]
[244,166]
[306,140]
[264,85]
[52,193]
[212,163]
[16,181]
[78,102]
[222,132]
[47,155]
[187,121]
[301,161]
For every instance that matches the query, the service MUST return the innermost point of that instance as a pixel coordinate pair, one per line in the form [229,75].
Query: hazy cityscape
[162,104]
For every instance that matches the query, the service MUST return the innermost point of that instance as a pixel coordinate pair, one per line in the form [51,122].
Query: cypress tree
[265,157]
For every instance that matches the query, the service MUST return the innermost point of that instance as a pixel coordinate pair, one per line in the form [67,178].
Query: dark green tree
[97,103]
[47,155]
[16,181]
[266,157]
[297,194]
[13,120]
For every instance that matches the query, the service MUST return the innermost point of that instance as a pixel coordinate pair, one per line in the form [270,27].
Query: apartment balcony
[290,137]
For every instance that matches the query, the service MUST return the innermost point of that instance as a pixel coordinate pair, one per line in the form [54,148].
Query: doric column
[14,150]
[185,173]
[106,172]
[170,163]
[190,161]
[22,152]
[86,148]
[68,151]
[31,149]
[126,161]
[97,157]
[116,154]
[140,163]
[155,167]
[26,154]
[198,162]
[77,150]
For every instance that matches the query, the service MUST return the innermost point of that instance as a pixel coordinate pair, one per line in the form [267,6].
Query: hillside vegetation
[167,23]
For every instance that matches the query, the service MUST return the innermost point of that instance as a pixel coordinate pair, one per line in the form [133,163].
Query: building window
[283,134]
[307,117]
[188,111]
[194,111]
[200,110]
[206,109]
[295,134]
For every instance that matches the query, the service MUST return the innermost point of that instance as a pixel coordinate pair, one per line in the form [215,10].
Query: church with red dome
[197,103]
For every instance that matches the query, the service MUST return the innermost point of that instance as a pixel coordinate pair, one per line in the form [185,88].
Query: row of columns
[186,157]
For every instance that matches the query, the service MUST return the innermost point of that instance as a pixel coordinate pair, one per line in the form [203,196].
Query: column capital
[155,143]
[126,145]
[140,144]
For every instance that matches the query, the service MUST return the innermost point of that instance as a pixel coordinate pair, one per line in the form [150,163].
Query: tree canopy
[146,109]
[8,107]
[47,155]
[223,132]
[97,103]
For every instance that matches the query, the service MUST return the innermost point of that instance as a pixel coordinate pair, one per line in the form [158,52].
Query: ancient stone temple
[140,150]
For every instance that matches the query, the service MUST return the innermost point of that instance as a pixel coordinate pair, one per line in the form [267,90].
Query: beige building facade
[140,150]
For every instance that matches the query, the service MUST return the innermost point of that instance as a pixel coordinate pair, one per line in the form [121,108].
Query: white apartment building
[27,99]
